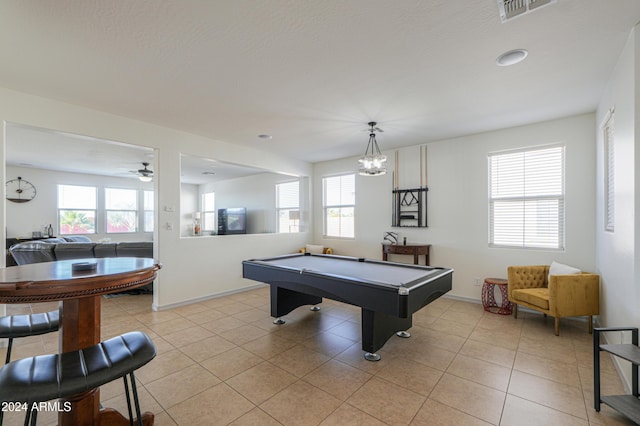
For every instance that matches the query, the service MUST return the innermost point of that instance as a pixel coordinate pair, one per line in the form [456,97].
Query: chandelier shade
[373,162]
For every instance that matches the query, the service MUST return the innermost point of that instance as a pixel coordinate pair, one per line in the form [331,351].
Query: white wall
[24,218]
[192,267]
[458,206]
[257,194]
[617,253]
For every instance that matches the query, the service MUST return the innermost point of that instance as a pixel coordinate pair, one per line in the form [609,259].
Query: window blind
[288,206]
[288,195]
[526,198]
[609,174]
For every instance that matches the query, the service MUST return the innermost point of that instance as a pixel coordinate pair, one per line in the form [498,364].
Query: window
[338,202]
[209,211]
[147,216]
[609,172]
[288,206]
[526,198]
[76,209]
[121,209]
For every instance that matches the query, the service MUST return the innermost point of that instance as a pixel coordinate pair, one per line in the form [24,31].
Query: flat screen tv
[232,221]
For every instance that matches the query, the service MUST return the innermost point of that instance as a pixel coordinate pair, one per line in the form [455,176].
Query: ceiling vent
[510,9]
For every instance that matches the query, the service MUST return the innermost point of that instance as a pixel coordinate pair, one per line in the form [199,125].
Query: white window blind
[209,211]
[526,198]
[338,200]
[609,173]
[288,206]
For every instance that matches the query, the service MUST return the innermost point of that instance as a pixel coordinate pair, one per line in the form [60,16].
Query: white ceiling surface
[313,73]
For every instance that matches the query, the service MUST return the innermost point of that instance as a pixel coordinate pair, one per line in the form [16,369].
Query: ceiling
[313,73]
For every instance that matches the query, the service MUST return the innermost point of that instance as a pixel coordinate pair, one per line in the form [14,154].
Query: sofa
[52,249]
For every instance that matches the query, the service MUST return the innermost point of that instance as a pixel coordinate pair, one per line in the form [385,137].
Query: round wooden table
[80,299]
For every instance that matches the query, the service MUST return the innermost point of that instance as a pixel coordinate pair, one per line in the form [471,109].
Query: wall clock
[20,190]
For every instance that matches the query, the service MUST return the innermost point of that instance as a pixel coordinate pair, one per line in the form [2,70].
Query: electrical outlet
[169,226]
[477,281]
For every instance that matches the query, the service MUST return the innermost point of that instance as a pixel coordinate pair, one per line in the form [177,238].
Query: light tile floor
[223,362]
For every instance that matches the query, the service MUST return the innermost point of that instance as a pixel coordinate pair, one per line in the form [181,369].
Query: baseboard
[462,299]
[205,298]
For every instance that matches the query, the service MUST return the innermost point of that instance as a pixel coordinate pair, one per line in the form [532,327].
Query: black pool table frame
[385,308]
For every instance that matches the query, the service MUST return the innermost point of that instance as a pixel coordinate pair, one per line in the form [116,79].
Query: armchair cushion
[561,269]
[538,297]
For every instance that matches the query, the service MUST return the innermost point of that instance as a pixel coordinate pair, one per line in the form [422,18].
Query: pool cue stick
[426,174]
[396,177]
[420,166]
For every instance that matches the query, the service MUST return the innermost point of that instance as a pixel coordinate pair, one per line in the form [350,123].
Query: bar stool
[15,326]
[45,377]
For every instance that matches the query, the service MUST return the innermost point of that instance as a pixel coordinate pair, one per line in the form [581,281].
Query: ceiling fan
[145,175]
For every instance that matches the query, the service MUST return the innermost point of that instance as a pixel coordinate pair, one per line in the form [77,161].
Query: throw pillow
[315,249]
[561,269]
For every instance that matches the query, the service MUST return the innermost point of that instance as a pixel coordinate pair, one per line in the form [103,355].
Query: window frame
[206,226]
[94,210]
[326,207]
[145,211]
[289,209]
[531,207]
[135,211]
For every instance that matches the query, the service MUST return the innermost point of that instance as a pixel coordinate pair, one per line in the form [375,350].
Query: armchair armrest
[574,294]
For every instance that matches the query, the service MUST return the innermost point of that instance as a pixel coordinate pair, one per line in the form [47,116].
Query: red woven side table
[489,298]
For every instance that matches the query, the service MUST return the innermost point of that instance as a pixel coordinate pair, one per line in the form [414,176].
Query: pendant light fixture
[373,163]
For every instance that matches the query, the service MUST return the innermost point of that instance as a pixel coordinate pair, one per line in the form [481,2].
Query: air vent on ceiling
[510,9]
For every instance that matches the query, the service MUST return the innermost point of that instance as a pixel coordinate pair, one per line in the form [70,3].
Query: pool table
[388,293]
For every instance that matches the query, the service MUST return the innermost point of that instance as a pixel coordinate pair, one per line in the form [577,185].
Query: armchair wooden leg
[515,310]
[590,324]
[557,324]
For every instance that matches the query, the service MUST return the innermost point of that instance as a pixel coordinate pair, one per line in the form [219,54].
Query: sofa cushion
[534,296]
[105,250]
[77,239]
[135,249]
[314,249]
[74,251]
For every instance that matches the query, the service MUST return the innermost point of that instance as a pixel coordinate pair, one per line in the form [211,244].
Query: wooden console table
[415,249]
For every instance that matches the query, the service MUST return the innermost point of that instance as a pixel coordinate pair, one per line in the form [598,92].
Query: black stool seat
[13,326]
[45,377]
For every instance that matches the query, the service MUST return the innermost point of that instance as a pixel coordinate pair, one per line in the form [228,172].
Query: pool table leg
[377,328]
[284,301]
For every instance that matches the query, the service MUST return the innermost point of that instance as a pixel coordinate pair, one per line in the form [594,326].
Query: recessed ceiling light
[208,173]
[263,136]
[511,57]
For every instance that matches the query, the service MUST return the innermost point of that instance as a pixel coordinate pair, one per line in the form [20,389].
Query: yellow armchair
[559,296]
